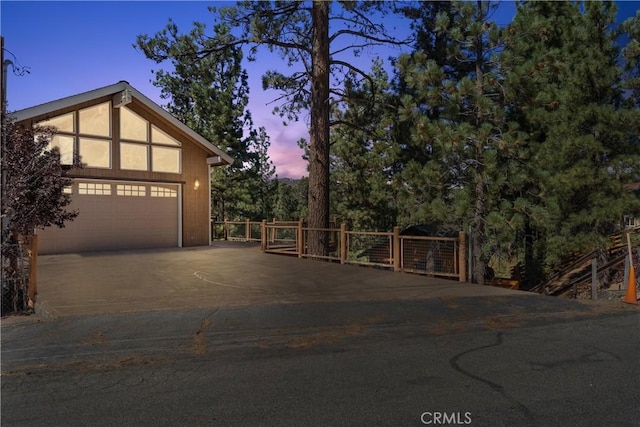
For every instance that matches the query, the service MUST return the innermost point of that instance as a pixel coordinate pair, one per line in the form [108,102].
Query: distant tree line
[527,135]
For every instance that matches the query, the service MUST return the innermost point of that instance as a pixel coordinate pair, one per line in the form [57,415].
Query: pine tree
[565,88]
[363,155]
[631,57]
[473,170]
[313,52]
[210,95]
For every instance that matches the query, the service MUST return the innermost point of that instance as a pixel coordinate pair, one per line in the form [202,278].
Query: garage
[117,215]
[140,177]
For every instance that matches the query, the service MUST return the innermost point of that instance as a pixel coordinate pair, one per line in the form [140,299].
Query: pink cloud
[284,151]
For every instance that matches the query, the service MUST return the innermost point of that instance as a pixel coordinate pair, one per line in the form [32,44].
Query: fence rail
[434,256]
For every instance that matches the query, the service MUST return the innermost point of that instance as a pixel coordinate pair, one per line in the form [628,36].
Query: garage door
[116,216]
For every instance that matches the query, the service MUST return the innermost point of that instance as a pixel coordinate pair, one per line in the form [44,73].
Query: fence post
[247,230]
[272,235]
[462,256]
[594,278]
[225,229]
[626,272]
[263,235]
[343,243]
[300,241]
[33,270]
[396,248]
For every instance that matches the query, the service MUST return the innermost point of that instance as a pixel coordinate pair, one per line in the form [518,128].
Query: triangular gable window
[159,136]
[132,126]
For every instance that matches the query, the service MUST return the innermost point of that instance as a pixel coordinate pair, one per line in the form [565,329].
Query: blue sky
[77,46]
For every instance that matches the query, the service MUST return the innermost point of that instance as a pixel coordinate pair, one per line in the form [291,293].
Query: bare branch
[355,70]
[385,40]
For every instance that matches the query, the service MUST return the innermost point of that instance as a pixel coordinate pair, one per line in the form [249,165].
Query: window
[146,147]
[134,156]
[64,123]
[94,188]
[132,126]
[85,132]
[96,120]
[95,153]
[163,192]
[631,222]
[165,159]
[68,189]
[131,190]
[65,144]
[161,137]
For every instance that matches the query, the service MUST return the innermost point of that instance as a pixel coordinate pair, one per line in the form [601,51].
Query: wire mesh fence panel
[330,236]
[281,239]
[217,230]
[429,256]
[236,230]
[255,231]
[370,248]
[284,235]
[15,274]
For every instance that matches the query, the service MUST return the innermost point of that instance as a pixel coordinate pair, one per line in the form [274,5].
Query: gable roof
[119,87]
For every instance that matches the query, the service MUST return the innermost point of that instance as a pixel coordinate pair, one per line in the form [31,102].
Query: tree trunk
[319,132]
[477,238]
[479,213]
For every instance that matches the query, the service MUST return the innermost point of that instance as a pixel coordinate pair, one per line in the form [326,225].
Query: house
[630,221]
[146,176]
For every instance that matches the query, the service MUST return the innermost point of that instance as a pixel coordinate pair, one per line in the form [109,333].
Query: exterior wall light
[196,184]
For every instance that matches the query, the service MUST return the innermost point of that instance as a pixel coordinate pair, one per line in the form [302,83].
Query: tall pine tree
[566,92]
[473,171]
[363,154]
[210,95]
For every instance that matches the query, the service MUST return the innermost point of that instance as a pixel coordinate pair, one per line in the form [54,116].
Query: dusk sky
[77,46]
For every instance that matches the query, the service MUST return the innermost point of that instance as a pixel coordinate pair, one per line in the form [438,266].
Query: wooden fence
[434,256]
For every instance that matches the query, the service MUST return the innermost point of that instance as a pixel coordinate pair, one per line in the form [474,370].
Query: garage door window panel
[131,190]
[163,192]
[94,189]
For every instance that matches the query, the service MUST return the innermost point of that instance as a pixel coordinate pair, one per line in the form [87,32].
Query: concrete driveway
[224,275]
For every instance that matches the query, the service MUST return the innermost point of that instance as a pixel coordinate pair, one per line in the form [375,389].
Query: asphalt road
[515,361]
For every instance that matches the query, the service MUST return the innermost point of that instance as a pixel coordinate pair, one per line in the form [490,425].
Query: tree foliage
[290,199]
[458,110]
[567,91]
[35,180]
[209,93]
[363,156]
[300,32]
[526,134]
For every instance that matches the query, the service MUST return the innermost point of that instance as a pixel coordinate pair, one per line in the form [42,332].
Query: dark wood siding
[195,202]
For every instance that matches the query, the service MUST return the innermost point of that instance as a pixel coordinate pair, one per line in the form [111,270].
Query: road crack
[198,345]
[494,386]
